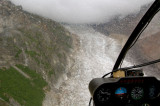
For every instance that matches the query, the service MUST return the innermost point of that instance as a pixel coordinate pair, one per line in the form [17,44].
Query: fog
[82,11]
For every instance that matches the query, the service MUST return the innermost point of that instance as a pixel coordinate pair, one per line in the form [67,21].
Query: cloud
[81,11]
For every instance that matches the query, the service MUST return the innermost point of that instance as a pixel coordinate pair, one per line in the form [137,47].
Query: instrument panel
[131,91]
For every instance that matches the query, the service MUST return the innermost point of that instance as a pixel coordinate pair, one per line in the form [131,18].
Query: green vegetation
[36,78]
[27,92]
[51,72]
[32,53]
[18,53]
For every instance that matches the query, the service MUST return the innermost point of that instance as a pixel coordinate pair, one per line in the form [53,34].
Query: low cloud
[81,11]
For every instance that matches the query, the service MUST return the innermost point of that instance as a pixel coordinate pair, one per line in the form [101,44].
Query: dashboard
[128,91]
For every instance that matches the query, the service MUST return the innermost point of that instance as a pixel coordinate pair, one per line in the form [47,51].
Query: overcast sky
[82,11]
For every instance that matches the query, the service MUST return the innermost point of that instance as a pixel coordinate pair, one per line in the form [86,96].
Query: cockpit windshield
[147,48]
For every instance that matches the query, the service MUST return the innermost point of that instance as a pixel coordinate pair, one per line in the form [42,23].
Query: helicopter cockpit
[129,86]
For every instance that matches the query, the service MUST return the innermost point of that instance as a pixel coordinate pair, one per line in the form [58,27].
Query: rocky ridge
[122,25]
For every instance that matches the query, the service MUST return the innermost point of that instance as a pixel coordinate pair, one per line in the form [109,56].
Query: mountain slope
[37,46]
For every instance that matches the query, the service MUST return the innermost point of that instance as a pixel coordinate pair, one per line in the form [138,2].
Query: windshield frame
[152,11]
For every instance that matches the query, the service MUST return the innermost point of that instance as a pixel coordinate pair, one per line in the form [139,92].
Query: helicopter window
[147,48]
